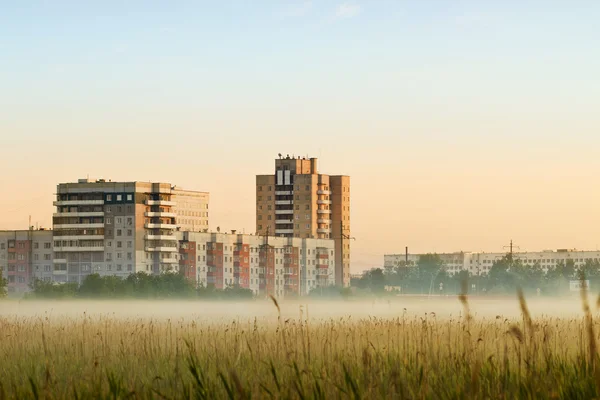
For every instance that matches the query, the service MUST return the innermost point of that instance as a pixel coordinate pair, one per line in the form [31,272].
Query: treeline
[136,286]
[429,276]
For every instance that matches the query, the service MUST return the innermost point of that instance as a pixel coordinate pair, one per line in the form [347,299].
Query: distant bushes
[136,286]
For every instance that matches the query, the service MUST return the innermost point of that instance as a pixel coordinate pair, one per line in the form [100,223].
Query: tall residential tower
[297,201]
[119,228]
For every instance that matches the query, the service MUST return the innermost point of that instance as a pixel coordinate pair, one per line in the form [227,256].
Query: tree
[3,285]
[428,268]
[498,277]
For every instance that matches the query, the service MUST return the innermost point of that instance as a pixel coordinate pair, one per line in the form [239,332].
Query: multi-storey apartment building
[118,228]
[481,263]
[278,266]
[25,255]
[299,202]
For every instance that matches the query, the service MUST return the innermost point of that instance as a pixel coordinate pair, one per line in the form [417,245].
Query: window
[119,244]
[47,245]
[129,197]
[118,232]
[260,217]
[260,227]
[21,268]
[129,244]
[2,246]
[36,257]
[129,221]
[269,218]
[260,188]
[109,197]
[119,221]
[36,245]
[108,221]
[129,232]
[119,197]
[307,207]
[47,257]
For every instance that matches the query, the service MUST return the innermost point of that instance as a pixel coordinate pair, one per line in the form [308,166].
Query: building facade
[278,266]
[119,228]
[299,202]
[25,255]
[481,263]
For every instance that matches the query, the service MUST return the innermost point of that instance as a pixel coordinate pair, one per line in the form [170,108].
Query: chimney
[313,166]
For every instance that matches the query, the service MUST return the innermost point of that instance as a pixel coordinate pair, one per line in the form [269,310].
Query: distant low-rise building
[481,263]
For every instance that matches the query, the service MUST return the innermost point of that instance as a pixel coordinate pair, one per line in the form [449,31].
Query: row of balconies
[78,202]
[160,203]
[79,214]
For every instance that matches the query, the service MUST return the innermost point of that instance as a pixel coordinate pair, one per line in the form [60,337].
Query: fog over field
[441,307]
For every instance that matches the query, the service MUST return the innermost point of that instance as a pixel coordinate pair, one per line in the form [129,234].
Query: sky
[463,124]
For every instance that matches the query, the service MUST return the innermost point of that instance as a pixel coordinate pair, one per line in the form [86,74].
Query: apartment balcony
[161,249]
[284,220]
[283,193]
[78,202]
[323,230]
[323,211]
[60,272]
[169,261]
[59,261]
[160,203]
[323,201]
[160,226]
[283,231]
[161,237]
[78,226]
[284,211]
[165,214]
[323,191]
[80,237]
[323,221]
[80,214]
[74,249]
[283,202]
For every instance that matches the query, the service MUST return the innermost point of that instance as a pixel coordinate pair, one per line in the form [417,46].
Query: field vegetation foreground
[406,356]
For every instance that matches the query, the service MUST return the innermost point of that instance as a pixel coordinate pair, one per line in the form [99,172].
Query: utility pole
[511,247]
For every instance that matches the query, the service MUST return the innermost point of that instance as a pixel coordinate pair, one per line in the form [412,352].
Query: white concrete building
[481,263]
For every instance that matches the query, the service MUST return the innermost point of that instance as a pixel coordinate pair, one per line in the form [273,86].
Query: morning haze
[296,199]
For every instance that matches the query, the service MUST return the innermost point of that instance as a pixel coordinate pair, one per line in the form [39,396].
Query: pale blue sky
[448,100]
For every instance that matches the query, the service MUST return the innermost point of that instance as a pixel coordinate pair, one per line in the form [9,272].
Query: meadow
[412,348]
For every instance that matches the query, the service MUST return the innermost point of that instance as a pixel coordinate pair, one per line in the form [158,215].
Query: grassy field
[291,353]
